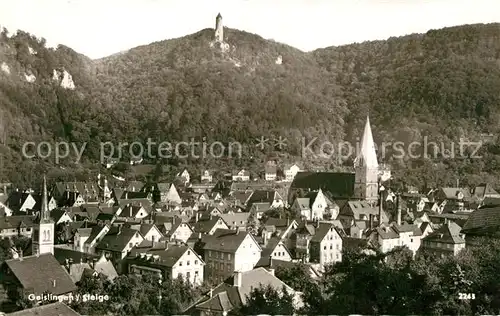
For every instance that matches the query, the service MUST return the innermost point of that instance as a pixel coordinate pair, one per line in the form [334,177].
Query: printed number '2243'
[466,296]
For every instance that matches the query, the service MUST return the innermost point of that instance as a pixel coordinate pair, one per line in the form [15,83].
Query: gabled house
[454,199]
[165,193]
[206,175]
[241,175]
[259,209]
[270,196]
[483,223]
[389,236]
[227,251]
[326,245]
[118,242]
[16,225]
[4,209]
[176,261]
[236,220]
[178,231]
[235,290]
[290,170]
[270,171]
[134,186]
[360,210]
[274,249]
[131,211]
[24,202]
[36,275]
[445,240]
[185,176]
[210,226]
[89,242]
[60,216]
[150,232]
[315,205]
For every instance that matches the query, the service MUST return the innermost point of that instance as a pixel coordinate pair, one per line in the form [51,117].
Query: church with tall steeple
[367,171]
[42,239]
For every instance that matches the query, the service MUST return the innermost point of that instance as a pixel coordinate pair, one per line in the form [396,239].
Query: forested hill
[442,84]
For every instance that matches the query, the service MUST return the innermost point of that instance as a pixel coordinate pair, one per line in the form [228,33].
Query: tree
[267,300]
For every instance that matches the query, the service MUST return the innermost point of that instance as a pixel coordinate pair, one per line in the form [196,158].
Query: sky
[99,28]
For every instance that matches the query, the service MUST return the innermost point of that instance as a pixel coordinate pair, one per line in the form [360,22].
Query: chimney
[5,189]
[237,279]
[287,221]
[126,195]
[271,262]
[237,230]
[399,210]
[264,238]
[270,270]
[371,221]
[210,293]
[53,283]
[380,210]
[20,253]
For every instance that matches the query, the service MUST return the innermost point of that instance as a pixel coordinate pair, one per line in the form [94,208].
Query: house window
[331,247]
[188,275]
[228,256]
[196,262]
[209,253]
[324,248]
[180,263]
[188,262]
[338,247]
[189,252]
[411,240]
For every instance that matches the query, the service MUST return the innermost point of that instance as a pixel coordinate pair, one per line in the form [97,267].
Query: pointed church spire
[367,155]
[44,216]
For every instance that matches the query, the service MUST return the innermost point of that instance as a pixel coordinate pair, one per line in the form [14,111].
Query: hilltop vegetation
[442,84]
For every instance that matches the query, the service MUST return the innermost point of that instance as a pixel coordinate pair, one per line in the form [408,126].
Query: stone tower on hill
[219,29]
[366,186]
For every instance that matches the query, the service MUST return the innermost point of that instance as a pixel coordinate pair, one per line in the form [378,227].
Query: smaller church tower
[219,29]
[366,166]
[43,230]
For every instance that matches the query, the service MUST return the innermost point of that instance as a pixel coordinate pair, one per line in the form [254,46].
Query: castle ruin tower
[366,185]
[219,29]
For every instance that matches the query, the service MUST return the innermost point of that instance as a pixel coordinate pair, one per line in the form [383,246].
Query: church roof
[367,155]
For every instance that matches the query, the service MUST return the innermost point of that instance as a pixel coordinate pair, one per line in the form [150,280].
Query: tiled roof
[41,274]
[206,225]
[76,271]
[270,169]
[106,268]
[482,218]
[135,186]
[236,219]
[448,233]
[236,296]
[8,222]
[61,254]
[117,240]
[53,309]
[451,193]
[339,185]
[226,240]
[358,208]
[164,257]
[322,230]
